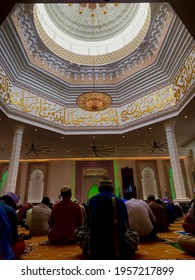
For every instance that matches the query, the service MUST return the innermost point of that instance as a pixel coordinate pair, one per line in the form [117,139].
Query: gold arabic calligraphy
[30,103]
[162,99]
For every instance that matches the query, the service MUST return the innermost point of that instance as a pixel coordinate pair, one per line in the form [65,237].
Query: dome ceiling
[40,86]
[142,84]
[107,31]
[125,79]
[76,19]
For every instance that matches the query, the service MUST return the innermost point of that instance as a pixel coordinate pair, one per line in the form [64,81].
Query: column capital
[169,125]
[19,128]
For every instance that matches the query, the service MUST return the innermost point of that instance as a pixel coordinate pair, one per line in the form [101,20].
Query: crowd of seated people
[106,227]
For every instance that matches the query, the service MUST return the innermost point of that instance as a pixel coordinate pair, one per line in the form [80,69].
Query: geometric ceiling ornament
[118,30]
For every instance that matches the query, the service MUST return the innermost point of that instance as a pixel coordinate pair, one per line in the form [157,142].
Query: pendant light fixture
[94,100]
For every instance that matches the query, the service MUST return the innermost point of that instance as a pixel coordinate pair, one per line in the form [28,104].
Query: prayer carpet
[166,250]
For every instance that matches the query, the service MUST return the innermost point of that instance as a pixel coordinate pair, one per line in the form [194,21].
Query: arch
[36,186]
[149,184]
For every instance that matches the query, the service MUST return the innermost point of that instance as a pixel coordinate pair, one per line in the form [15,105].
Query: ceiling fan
[155,145]
[36,149]
[99,151]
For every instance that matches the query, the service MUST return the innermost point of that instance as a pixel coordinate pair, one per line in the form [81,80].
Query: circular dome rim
[92,59]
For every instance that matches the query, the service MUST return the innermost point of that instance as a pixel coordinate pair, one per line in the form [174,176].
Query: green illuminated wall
[93,191]
[3,179]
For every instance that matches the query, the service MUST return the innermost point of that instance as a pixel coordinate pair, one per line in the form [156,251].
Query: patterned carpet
[166,250]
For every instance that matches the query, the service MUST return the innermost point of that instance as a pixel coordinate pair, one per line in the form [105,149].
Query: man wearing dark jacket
[106,226]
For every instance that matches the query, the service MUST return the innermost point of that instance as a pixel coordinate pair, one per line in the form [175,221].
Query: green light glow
[116,183]
[93,191]
[171,181]
[3,179]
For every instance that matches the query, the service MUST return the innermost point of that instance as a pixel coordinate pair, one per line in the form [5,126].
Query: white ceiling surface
[172,51]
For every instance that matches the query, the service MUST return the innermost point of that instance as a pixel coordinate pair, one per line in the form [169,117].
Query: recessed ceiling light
[186,117]
[150,128]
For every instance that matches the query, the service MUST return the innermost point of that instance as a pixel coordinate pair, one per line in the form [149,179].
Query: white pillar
[193,158]
[22,183]
[180,190]
[193,164]
[11,180]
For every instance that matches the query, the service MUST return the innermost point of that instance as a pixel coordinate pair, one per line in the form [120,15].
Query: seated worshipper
[170,209]
[160,214]
[51,205]
[8,203]
[189,221]
[104,236]
[6,252]
[82,210]
[187,242]
[66,216]
[40,218]
[141,218]
[178,210]
[28,218]
[22,214]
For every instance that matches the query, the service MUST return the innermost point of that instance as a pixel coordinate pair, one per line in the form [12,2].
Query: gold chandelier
[94,101]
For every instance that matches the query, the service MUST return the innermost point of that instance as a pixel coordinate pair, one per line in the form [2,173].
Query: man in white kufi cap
[65,218]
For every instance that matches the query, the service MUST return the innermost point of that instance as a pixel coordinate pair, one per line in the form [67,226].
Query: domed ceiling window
[118,29]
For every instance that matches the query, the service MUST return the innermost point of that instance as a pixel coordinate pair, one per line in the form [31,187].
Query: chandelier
[94,100]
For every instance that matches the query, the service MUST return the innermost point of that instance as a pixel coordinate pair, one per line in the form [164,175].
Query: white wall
[63,173]
[60,173]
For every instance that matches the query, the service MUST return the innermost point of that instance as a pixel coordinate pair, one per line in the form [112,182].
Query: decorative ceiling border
[33,106]
[25,27]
